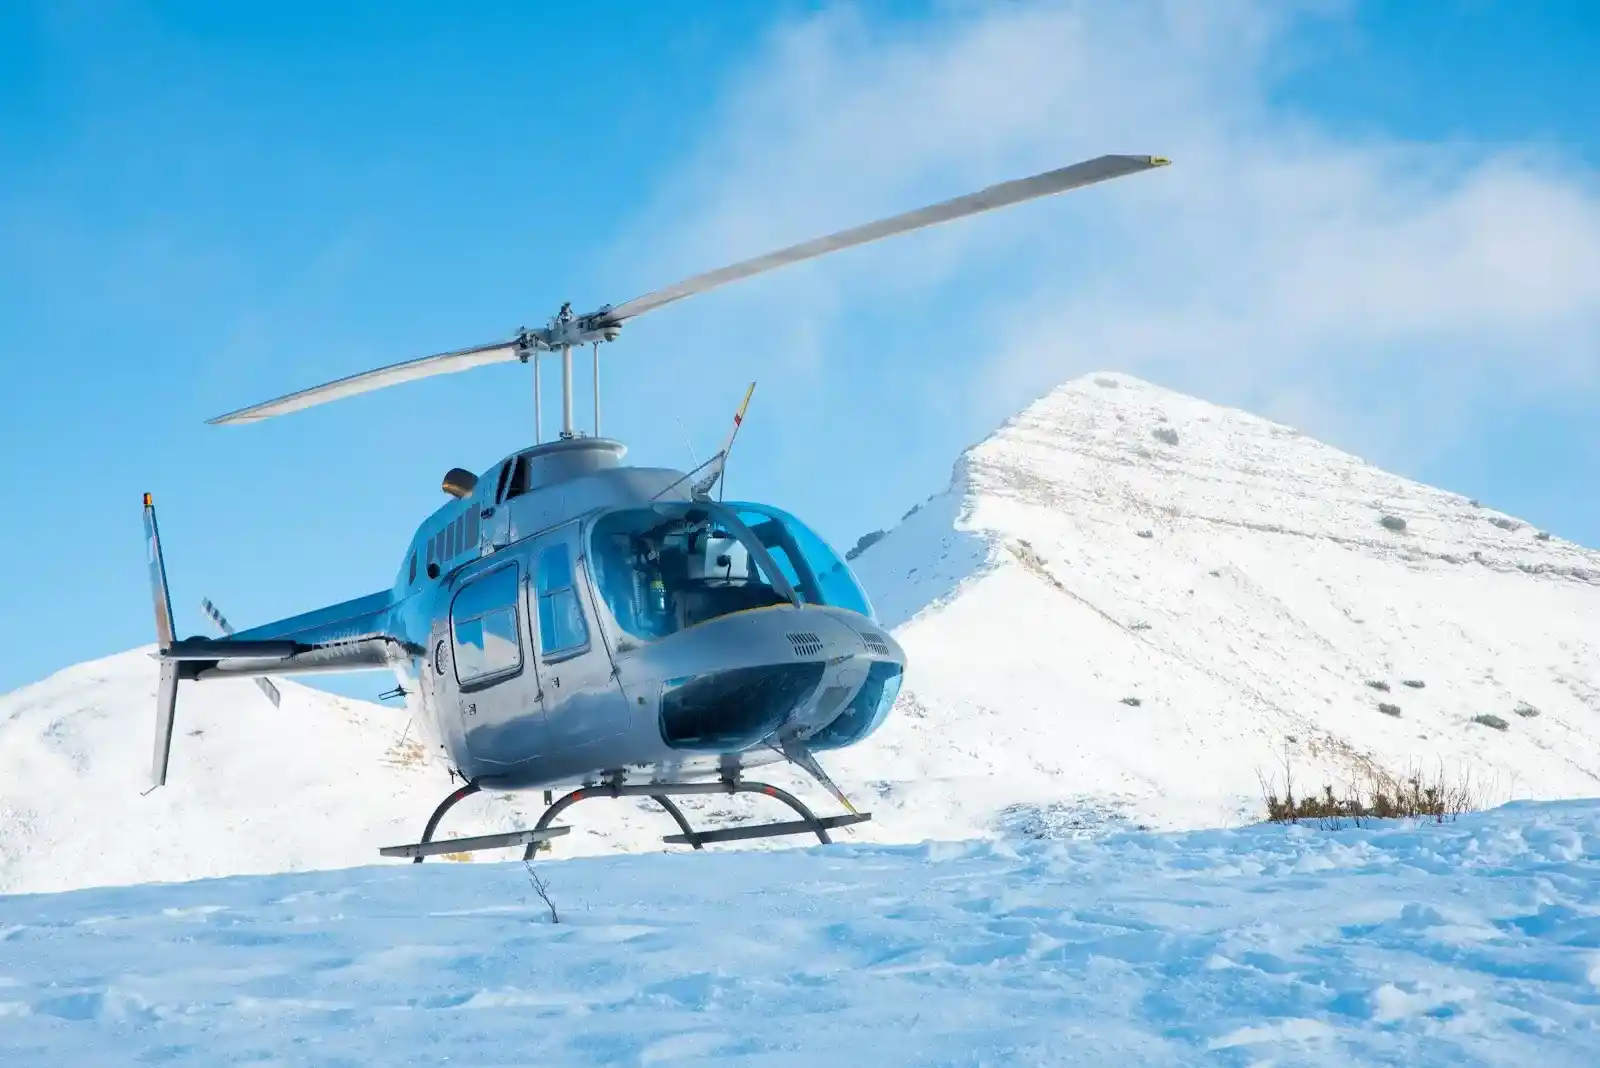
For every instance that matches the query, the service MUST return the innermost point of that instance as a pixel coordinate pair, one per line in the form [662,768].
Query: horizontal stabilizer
[228,649]
[368,654]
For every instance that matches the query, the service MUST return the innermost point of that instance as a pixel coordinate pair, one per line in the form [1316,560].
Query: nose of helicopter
[813,675]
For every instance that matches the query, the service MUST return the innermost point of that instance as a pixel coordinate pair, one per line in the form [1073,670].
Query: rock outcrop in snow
[1128,607]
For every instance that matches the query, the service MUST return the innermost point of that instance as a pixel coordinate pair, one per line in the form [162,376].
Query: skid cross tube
[661,793]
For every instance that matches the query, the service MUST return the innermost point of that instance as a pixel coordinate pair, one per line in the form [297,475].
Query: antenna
[686,442]
[719,462]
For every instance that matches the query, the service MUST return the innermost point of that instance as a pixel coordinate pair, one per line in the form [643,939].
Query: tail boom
[353,635]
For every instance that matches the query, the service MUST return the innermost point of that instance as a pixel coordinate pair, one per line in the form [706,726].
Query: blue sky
[1382,225]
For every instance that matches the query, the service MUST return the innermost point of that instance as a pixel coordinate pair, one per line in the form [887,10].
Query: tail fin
[158,576]
[167,695]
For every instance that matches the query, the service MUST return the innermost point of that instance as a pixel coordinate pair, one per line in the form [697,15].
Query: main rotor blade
[442,364]
[995,196]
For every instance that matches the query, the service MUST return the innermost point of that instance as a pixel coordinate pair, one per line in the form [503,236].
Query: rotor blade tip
[1160,161]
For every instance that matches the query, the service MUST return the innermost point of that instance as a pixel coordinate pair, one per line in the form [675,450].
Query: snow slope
[1475,943]
[319,782]
[1120,542]
[1246,625]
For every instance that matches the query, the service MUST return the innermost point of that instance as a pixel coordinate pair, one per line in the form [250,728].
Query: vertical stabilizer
[166,706]
[167,696]
[158,576]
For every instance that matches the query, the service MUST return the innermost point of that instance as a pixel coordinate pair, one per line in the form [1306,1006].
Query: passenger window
[413,576]
[561,624]
[472,528]
[484,624]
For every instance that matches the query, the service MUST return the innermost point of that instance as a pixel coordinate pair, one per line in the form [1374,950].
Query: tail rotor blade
[222,625]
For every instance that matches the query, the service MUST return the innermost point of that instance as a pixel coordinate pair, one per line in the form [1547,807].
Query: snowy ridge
[1470,943]
[1230,580]
[1236,585]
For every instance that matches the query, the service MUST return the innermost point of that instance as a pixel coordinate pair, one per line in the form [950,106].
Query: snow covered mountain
[1143,599]
[1129,606]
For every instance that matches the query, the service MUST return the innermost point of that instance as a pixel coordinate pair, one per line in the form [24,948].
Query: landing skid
[661,793]
[467,845]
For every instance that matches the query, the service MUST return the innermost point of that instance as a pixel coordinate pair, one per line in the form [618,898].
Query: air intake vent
[875,644]
[805,643]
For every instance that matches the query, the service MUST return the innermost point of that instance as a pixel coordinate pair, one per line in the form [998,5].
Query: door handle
[487,513]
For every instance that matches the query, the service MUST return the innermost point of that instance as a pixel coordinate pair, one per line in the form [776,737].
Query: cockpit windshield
[668,566]
[816,572]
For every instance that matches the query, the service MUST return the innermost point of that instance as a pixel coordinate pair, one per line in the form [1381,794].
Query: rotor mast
[563,333]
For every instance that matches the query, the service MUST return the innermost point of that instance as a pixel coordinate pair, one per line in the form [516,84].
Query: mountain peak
[1129,592]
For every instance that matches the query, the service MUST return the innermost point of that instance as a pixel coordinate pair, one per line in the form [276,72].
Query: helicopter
[566,621]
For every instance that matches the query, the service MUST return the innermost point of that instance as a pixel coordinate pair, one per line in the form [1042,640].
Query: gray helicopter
[568,621]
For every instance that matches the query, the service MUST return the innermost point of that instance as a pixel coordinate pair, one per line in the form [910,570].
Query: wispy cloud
[1321,276]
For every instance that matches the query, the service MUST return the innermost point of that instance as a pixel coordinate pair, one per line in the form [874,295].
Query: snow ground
[1472,943]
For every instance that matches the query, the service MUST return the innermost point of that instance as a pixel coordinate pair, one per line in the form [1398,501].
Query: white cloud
[1277,264]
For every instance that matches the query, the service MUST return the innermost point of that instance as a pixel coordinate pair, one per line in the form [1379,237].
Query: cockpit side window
[664,568]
